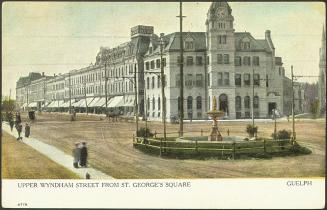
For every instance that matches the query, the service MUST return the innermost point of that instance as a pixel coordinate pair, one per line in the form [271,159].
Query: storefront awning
[116,101]
[94,102]
[101,102]
[65,104]
[88,101]
[129,101]
[33,104]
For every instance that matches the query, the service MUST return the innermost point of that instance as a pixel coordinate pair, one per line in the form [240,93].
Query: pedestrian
[83,158]
[19,129]
[18,118]
[11,124]
[27,130]
[76,154]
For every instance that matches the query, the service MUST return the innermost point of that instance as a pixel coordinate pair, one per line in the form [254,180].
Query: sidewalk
[57,155]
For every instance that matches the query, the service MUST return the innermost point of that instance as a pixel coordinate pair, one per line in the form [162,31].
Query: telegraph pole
[70,94]
[106,86]
[181,114]
[252,107]
[85,97]
[135,104]
[293,122]
[163,85]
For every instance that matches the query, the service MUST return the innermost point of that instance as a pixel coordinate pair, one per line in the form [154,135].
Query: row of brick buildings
[219,62]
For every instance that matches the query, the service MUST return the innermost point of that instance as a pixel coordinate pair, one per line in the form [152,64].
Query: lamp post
[163,84]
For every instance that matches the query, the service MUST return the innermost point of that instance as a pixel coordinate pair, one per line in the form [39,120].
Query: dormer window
[188,45]
[245,45]
[150,50]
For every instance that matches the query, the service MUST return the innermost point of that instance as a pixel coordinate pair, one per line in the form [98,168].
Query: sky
[55,37]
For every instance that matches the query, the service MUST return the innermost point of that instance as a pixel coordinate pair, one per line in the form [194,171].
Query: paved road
[57,155]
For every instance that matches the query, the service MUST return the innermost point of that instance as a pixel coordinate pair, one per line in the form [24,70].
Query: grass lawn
[19,161]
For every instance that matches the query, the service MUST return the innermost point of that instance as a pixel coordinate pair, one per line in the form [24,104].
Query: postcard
[163,105]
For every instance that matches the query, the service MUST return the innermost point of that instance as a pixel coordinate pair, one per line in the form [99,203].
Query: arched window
[256,102]
[148,104]
[238,103]
[198,102]
[189,102]
[247,102]
[147,83]
[152,82]
[159,103]
[158,81]
[153,103]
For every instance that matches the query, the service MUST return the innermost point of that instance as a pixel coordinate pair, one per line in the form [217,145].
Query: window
[247,79]
[222,39]
[247,61]
[189,60]
[188,45]
[238,61]
[256,79]
[189,102]
[150,50]
[164,62]
[247,115]
[148,104]
[245,45]
[152,84]
[255,60]
[238,103]
[207,60]
[247,102]
[220,78]
[198,60]
[267,84]
[238,80]
[256,102]
[179,61]
[226,78]
[158,81]
[153,103]
[178,80]
[219,58]
[147,83]
[199,80]
[189,80]
[226,59]
[198,102]
[159,104]
[158,63]
[152,64]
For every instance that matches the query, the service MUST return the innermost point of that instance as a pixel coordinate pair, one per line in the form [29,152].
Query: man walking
[83,159]
[11,123]
[19,129]
[76,154]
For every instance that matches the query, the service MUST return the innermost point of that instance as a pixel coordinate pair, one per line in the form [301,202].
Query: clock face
[221,13]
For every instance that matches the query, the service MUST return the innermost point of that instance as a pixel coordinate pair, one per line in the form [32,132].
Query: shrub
[297,149]
[251,130]
[144,132]
[282,134]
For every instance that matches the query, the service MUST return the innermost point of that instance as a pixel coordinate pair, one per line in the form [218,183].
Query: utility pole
[10,94]
[135,103]
[252,107]
[85,97]
[163,85]
[70,94]
[181,114]
[293,122]
[106,86]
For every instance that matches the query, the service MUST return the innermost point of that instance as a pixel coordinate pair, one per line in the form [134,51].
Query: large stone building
[238,69]
[322,73]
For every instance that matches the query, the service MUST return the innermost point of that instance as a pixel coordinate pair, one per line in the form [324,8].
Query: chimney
[267,35]
[54,75]
[42,74]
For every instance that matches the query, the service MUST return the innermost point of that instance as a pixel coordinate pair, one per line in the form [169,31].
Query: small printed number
[22,204]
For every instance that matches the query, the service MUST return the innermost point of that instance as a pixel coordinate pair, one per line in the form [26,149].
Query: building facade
[240,71]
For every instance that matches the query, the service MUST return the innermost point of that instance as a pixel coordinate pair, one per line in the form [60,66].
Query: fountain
[214,114]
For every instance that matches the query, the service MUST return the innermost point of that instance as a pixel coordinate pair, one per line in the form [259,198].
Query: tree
[7,105]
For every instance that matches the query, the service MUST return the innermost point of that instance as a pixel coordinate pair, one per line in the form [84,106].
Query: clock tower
[221,51]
